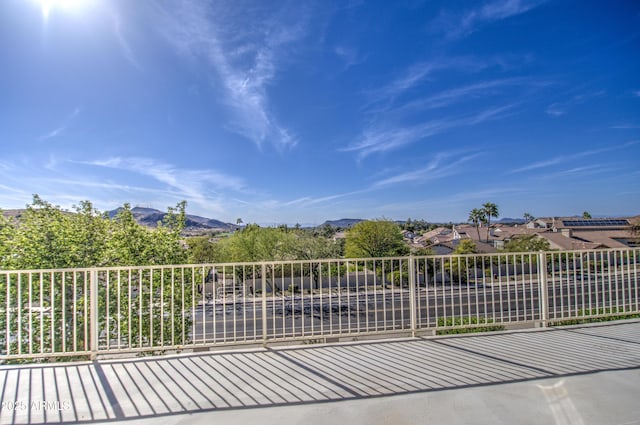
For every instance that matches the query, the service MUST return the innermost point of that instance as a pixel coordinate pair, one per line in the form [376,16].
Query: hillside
[150,217]
[342,223]
[195,224]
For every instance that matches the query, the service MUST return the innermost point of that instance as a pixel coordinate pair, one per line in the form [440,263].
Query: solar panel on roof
[595,222]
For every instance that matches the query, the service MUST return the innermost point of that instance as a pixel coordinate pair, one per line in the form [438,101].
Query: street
[240,319]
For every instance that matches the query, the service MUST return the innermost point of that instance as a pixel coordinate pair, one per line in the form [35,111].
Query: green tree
[7,230]
[130,244]
[586,215]
[326,230]
[87,236]
[408,225]
[490,210]
[42,238]
[308,247]
[466,246]
[375,238]
[459,263]
[421,251]
[477,216]
[201,250]
[527,243]
[255,243]
[528,217]
[146,303]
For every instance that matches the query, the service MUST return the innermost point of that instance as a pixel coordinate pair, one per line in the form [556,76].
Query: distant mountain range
[508,220]
[150,217]
[195,225]
[342,223]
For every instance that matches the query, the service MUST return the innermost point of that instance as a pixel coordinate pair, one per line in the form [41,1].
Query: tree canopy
[255,243]
[375,238]
[46,236]
[527,243]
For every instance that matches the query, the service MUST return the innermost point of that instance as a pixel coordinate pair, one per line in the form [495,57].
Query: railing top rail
[315,261]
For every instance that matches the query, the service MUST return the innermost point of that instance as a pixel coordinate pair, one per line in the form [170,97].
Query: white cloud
[403,86]
[420,73]
[567,158]
[349,55]
[558,109]
[197,186]
[62,127]
[124,44]
[442,165]
[381,138]
[462,25]
[626,126]
[244,51]
[459,94]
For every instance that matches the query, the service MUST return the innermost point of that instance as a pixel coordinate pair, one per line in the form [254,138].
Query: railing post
[543,288]
[264,303]
[412,295]
[93,313]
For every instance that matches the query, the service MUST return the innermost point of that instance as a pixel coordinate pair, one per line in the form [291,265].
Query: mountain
[508,220]
[194,224]
[342,223]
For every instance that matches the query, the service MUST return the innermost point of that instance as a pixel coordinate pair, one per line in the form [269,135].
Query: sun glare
[66,5]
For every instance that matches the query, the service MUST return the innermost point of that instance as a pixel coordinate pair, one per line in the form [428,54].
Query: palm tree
[490,210]
[476,216]
[527,218]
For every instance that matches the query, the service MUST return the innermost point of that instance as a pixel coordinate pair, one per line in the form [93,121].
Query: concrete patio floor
[570,375]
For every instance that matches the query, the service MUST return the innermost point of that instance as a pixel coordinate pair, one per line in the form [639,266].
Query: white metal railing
[88,312]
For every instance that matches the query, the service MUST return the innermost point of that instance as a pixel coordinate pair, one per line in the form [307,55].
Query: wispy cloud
[402,88]
[420,73]
[582,171]
[62,127]
[444,206]
[307,201]
[461,25]
[124,44]
[560,108]
[442,165]
[567,158]
[379,138]
[194,185]
[244,51]
[412,77]
[626,126]
[459,94]
[349,56]
[109,186]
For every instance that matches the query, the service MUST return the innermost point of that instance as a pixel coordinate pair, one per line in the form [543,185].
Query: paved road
[389,310]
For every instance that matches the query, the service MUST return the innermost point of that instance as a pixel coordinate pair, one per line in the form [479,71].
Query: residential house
[562,233]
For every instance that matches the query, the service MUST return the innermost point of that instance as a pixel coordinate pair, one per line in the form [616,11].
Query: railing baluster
[52,313]
[543,289]
[264,302]
[93,294]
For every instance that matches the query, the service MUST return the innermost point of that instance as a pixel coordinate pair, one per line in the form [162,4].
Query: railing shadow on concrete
[155,387]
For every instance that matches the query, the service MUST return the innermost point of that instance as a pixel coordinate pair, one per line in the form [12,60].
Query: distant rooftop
[595,222]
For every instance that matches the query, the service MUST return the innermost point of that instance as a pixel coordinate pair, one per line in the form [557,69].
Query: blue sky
[304,111]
